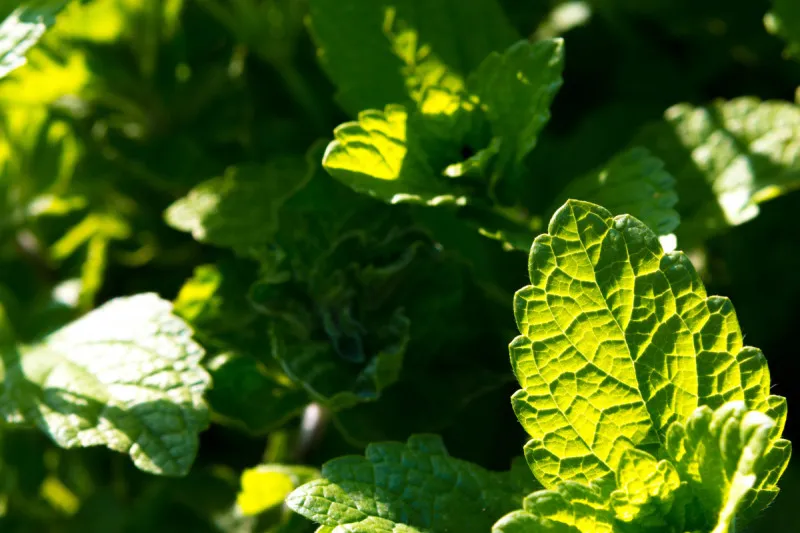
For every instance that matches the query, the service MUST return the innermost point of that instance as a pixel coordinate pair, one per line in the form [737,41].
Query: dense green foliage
[271,252]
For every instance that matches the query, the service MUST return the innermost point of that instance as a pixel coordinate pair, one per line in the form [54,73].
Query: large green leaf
[618,341]
[372,50]
[22,29]
[127,376]
[413,487]
[727,158]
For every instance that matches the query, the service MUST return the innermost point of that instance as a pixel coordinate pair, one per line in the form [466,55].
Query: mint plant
[260,261]
[645,411]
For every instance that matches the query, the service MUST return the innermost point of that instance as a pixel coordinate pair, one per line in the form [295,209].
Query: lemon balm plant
[269,252]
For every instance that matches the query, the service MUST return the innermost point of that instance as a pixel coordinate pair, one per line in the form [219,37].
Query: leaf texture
[724,455]
[413,487]
[127,376]
[635,183]
[618,341]
[382,155]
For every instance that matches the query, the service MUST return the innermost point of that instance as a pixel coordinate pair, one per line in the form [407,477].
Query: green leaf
[240,209]
[266,486]
[635,183]
[250,395]
[411,487]
[784,20]
[618,341]
[127,376]
[724,455]
[648,497]
[22,29]
[329,377]
[372,50]
[646,489]
[515,90]
[382,155]
[570,508]
[459,143]
[727,158]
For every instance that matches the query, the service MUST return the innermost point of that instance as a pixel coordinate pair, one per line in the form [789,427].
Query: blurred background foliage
[126,105]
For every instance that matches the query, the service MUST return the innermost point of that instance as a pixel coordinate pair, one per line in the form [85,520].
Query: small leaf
[127,376]
[516,89]
[413,487]
[619,340]
[382,155]
[727,158]
[645,489]
[722,454]
[240,209]
[570,508]
[635,183]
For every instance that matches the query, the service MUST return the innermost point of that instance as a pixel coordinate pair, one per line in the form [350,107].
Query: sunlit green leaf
[126,376]
[619,340]
[411,487]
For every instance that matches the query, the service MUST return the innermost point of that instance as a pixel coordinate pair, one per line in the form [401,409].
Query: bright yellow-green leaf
[618,341]
[265,486]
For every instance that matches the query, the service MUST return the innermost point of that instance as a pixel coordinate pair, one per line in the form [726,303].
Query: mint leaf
[250,395]
[22,29]
[383,155]
[127,376]
[784,20]
[370,48]
[619,341]
[322,368]
[239,209]
[711,471]
[649,497]
[411,487]
[646,489]
[458,143]
[515,90]
[570,508]
[635,183]
[723,454]
[727,158]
